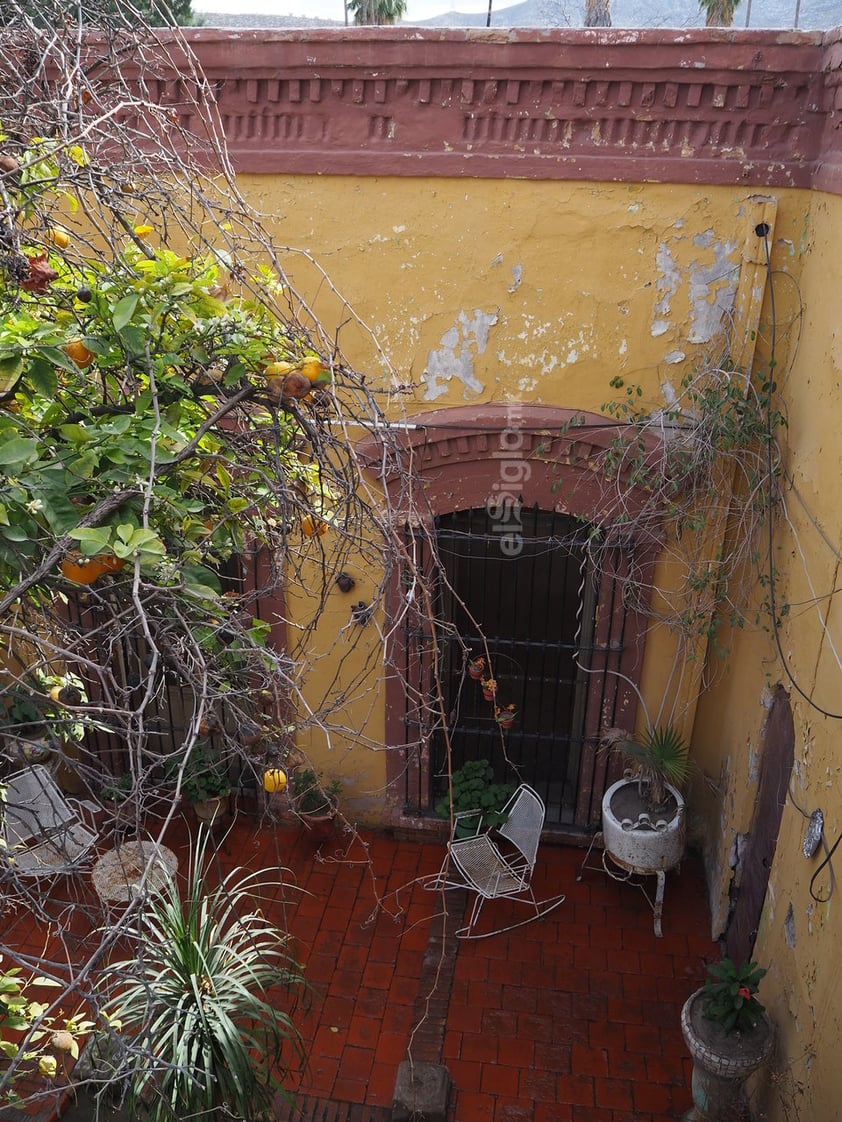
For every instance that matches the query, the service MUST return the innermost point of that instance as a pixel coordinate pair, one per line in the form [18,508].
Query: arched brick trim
[462,458]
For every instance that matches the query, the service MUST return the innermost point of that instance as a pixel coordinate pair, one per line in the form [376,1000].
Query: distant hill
[813,14]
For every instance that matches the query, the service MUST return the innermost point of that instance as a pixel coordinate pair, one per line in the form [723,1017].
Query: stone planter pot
[637,839]
[211,812]
[722,1061]
[319,827]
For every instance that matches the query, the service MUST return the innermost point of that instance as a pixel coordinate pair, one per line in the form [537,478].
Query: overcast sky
[335,9]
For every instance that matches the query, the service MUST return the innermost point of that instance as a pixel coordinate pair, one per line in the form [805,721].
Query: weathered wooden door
[775,768]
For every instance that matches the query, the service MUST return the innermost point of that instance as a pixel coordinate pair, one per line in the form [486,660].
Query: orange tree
[168,419]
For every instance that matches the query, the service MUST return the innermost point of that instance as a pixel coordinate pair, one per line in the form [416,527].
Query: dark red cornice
[750,108]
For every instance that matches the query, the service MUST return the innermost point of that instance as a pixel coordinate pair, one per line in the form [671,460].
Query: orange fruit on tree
[58,237]
[80,354]
[315,371]
[278,369]
[313,527]
[86,570]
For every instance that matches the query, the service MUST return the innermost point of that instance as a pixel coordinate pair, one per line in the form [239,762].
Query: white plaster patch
[455,356]
[517,278]
[712,289]
[673,357]
[668,390]
[666,284]
[527,385]
[624,347]
[659,327]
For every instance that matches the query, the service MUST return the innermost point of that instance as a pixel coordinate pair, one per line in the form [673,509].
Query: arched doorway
[529,605]
[465,483]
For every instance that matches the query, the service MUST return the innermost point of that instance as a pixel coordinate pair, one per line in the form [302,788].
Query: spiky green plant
[200,1031]
[659,757]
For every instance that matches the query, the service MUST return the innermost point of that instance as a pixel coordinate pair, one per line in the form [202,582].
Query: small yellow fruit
[274,780]
[58,237]
[47,1066]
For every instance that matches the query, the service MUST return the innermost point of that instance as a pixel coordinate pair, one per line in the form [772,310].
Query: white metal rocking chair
[42,832]
[498,864]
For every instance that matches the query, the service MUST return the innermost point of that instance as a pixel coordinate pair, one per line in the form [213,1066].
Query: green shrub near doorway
[472,788]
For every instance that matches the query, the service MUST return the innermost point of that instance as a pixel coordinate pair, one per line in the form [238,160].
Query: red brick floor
[572,1018]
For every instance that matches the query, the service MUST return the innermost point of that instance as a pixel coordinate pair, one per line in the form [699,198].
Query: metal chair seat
[498,864]
[42,831]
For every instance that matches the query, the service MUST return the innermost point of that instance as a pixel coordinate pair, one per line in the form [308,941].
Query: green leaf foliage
[729,995]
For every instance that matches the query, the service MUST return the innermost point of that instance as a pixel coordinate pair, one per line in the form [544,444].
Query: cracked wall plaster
[710,280]
[454,358]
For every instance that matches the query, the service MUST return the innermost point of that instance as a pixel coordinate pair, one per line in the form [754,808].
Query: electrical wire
[762,230]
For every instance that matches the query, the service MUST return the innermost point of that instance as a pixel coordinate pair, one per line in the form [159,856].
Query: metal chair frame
[491,873]
[42,834]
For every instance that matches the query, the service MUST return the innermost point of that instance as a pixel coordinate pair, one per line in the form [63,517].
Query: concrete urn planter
[722,1061]
[638,839]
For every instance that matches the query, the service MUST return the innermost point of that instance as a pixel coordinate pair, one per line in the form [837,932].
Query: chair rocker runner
[42,832]
[498,864]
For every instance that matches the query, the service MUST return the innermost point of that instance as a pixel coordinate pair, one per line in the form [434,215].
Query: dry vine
[178,433]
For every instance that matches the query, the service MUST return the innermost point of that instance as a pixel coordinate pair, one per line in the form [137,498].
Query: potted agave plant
[729,1036]
[205,1002]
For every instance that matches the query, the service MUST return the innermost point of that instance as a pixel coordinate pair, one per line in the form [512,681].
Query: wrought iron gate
[528,605]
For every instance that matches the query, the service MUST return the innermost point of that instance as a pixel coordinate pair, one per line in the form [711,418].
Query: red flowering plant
[729,995]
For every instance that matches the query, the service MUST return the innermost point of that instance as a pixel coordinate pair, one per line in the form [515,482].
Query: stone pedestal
[421,1093]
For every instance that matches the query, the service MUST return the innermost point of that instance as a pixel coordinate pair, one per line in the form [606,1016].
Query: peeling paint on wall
[455,356]
[710,280]
[667,285]
[712,288]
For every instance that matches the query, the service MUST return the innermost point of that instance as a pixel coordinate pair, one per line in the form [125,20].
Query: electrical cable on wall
[762,231]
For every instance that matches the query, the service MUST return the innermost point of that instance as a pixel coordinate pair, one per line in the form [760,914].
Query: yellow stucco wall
[480,291]
[797,939]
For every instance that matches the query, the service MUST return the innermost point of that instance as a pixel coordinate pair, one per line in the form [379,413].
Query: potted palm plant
[643,821]
[729,1036]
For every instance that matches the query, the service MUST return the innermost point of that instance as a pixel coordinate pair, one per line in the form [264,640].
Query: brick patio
[574,1017]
